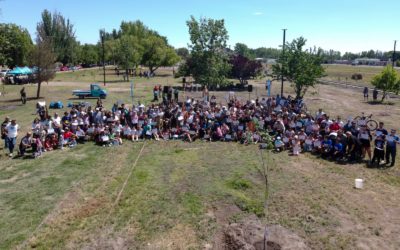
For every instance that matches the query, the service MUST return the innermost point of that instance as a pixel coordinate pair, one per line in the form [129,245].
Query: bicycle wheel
[372,125]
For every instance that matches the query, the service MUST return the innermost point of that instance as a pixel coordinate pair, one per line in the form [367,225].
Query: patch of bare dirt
[179,237]
[221,213]
[250,234]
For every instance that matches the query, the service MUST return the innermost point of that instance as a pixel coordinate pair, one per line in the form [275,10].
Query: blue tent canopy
[27,70]
[16,71]
[20,71]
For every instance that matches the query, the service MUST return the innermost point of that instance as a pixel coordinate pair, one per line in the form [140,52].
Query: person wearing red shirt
[334,126]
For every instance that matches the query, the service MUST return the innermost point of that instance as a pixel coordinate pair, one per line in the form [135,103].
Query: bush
[357,77]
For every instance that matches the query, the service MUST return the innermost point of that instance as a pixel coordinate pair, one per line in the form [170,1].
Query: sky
[342,25]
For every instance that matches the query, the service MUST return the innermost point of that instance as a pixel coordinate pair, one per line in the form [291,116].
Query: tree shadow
[19,100]
[376,102]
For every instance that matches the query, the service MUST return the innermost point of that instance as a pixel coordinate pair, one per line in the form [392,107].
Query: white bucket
[359,183]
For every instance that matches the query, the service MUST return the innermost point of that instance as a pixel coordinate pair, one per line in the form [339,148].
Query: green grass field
[183,196]
[343,73]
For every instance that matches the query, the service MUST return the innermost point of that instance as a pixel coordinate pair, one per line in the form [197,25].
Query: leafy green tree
[243,50]
[157,53]
[111,50]
[387,81]
[129,52]
[208,43]
[267,53]
[89,54]
[62,35]
[301,68]
[15,45]
[43,59]
[183,53]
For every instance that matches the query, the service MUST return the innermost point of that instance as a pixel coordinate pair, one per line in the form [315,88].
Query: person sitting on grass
[337,150]
[80,135]
[296,146]
[51,142]
[308,144]
[327,146]
[127,132]
[26,143]
[279,144]
[37,146]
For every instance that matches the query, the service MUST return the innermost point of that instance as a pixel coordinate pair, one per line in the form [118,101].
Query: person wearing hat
[12,134]
[26,143]
[279,145]
[391,142]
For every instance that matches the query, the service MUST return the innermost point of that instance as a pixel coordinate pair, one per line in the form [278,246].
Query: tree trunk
[127,74]
[383,96]
[38,90]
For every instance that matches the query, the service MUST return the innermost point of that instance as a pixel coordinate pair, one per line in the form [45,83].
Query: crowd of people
[277,122]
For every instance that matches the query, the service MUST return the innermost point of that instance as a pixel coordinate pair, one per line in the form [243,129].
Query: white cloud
[257,13]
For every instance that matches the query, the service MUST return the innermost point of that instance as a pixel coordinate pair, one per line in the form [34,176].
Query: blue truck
[95,91]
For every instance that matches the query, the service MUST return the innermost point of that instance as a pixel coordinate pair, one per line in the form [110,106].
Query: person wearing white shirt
[12,134]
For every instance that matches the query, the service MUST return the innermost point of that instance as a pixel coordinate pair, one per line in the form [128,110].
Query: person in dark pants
[353,147]
[176,95]
[23,95]
[391,142]
[378,151]
[365,91]
[375,94]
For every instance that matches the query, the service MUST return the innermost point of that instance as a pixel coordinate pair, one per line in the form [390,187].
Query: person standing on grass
[365,93]
[176,95]
[12,134]
[391,142]
[378,151]
[365,138]
[23,95]
[5,123]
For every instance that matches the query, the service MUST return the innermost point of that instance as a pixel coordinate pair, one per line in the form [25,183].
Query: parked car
[64,68]
[3,72]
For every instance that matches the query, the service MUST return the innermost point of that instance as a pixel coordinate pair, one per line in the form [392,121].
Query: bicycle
[371,124]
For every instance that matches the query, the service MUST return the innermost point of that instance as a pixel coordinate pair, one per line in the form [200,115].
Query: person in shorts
[365,138]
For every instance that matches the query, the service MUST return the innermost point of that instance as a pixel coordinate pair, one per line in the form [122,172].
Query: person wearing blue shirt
[326,146]
[337,152]
[391,141]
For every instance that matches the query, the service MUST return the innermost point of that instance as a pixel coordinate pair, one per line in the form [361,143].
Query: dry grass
[181,195]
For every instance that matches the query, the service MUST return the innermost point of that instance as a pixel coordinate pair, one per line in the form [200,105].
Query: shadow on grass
[380,103]
[19,100]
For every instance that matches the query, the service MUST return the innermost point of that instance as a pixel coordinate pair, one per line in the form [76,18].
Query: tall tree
[157,53]
[244,68]
[129,52]
[183,53]
[89,54]
[243,50]
[301,68]
[388,80]
[15,45]
[267,53]
[62,34]
[208,43]
[43,59]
